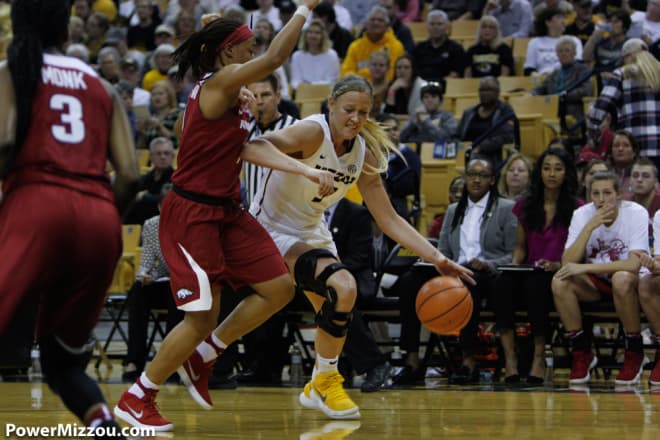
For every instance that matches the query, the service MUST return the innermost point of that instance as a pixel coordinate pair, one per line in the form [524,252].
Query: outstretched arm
[270,151]
[277,53]
[395,227]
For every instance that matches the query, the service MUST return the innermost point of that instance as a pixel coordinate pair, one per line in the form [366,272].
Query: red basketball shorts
[205,244]
[59,249]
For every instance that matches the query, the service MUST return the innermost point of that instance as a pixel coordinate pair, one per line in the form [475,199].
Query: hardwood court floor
[475,413]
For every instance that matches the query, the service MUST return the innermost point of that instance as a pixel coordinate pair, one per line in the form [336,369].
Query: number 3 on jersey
[72,129]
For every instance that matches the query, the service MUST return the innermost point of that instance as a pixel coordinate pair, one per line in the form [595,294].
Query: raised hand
[311,4]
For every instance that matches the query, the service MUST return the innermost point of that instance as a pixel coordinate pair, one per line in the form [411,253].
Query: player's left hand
[246,97]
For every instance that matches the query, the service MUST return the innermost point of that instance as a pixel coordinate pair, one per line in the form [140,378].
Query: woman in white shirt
[316,62]
[541,51]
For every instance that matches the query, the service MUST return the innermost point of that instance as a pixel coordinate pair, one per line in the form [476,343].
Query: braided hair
[199,51]
[38,25]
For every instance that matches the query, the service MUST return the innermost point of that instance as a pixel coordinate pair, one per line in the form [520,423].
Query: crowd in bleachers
[545,97]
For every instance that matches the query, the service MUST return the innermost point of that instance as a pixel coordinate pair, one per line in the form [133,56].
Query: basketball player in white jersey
[355,149]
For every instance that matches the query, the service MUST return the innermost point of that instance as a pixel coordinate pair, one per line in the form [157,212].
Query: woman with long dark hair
[206,237]
[59,122]
[544,216]
[403,96]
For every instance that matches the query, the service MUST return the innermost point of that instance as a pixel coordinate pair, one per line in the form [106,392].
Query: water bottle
[37,395]
[549,363]
[396,356]
[296,368]
[35,370]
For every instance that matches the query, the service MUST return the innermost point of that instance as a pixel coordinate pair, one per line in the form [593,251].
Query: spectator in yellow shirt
[378,35]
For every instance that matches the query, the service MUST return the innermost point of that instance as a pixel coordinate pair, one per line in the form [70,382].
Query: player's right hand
[604,214]
[325,179]
[449,268]
[311,4]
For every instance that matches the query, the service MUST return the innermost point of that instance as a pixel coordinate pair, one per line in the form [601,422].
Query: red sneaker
[195,375]
[654,379]
[141,412]
[633,367]
[583,363]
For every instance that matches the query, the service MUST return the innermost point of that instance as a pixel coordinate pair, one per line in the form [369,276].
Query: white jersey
[629,232]
[289,204]
[656,233]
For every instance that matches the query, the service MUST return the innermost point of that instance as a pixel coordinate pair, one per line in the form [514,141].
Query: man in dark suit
[350,225]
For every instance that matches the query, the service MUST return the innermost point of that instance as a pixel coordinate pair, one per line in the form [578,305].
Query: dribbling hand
[325,179]
[449,268]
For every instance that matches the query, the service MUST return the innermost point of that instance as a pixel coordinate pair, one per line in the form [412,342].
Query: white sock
[218,342]
[326,365]
[211,348]
[137,391]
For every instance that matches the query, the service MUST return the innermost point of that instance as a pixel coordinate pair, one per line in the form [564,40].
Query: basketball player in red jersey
[60,232]
[206,236]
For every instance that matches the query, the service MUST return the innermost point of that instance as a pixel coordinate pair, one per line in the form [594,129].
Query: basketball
[444,305]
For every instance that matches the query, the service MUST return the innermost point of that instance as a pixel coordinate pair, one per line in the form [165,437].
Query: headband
[241,34]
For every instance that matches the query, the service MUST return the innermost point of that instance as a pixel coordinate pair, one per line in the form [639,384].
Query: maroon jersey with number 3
[67,143]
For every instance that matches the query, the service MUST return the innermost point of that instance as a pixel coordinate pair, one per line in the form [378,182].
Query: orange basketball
[444,305]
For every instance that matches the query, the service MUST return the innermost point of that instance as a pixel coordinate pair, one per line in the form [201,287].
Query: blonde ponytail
[645,69]
[379,144]
[372,132]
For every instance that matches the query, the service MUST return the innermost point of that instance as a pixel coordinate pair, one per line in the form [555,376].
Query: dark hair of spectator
[532,208]
[595,162]
[412,65]
[200,50]
[646,162]
[326,10]
[38,25]
[463,201]
[540,26]
[384,117]
[631,138]
[272,79]
[624,17]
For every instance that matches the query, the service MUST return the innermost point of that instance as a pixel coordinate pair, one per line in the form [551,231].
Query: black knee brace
[304,271]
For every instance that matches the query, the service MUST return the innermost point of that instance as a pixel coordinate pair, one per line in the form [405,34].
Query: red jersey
[210,148]
[61,148]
